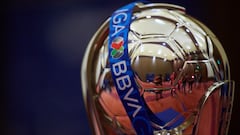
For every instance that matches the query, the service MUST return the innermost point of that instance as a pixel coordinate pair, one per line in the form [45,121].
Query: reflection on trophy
[177,68]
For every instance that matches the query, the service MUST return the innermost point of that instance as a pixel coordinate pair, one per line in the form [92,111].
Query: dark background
[43,43]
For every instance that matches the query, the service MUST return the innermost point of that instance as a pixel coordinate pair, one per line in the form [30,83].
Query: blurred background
[43,43]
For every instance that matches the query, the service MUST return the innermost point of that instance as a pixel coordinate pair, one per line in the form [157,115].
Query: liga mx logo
[118,48]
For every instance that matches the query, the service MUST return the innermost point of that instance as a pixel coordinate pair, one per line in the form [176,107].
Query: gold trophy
[153,69]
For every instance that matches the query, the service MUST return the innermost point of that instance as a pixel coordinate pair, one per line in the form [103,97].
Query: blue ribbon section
[122,72]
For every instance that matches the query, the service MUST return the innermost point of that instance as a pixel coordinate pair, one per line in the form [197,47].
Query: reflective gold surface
[178,63]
